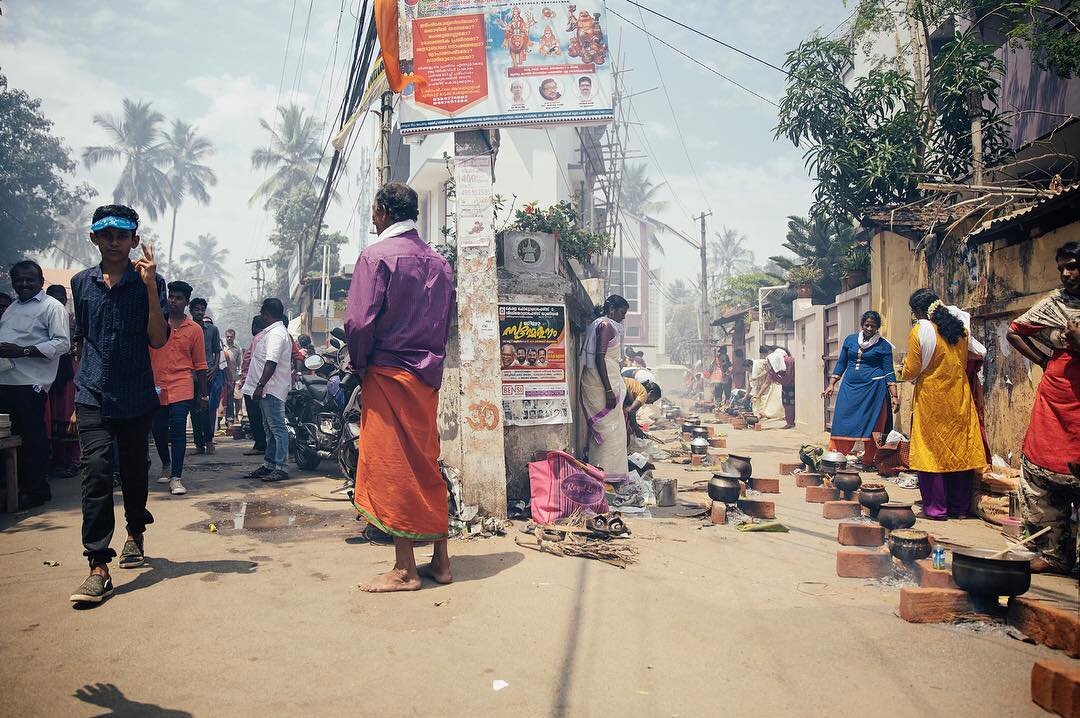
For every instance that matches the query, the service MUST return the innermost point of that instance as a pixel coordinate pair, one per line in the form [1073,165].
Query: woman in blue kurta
[867,392]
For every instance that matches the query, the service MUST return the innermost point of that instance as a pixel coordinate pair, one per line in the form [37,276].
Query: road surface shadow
[107,695]
[162,569]
[476,568]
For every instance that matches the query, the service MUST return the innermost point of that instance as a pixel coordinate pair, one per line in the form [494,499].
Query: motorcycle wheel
[305,457]
[348,455]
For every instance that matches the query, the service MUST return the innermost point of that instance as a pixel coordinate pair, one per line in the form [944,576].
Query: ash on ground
[901,577]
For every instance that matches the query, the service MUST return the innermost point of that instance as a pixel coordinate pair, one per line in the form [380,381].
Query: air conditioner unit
[530,253]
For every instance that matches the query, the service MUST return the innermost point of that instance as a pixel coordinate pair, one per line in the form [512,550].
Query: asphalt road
[267,620]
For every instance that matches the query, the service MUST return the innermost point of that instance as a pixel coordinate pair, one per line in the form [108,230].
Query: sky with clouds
[222,66]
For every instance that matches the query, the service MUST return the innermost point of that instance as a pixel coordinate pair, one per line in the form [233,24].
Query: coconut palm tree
[637,195]
[293,154]
[136,143]
[728,257]
[188,177]
[205,265]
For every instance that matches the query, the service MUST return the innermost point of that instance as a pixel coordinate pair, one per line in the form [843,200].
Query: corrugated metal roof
[998,222]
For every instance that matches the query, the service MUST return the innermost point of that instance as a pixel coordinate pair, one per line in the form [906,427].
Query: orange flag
[386,25]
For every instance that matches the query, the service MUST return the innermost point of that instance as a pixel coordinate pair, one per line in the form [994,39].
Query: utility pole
[386,116]
[705,326]
[483,460]
[258,276]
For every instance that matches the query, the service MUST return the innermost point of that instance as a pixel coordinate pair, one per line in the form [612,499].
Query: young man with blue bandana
[120,309]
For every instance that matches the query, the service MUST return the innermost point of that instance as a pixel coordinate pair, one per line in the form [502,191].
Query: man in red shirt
[1049,335]
[173,364]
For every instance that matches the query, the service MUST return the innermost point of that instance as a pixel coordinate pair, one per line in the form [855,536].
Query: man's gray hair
[399,200]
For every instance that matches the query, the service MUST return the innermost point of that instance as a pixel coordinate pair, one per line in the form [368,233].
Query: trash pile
[468,522]
[603,537]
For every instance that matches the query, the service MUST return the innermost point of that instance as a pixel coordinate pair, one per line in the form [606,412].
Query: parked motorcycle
[313,417]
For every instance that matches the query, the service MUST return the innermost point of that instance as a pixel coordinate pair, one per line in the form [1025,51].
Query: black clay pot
[751,419]
[688,428]
[909,545]
[740,465]
[896,515]
[872,496]
[724,489]
[695,420]
[699,432]
[979,575]
[848,481]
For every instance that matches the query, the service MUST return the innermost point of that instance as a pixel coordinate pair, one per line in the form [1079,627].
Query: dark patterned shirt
[114,369]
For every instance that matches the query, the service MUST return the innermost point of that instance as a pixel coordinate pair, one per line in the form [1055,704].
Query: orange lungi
[399,488]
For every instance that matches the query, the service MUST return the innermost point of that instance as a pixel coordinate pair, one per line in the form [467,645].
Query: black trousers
[27,410]
[255,418]
[96,435]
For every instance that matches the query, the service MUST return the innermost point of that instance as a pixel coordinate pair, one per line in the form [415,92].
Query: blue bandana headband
[118,222]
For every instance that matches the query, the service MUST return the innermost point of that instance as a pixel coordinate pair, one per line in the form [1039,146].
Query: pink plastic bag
[561,484]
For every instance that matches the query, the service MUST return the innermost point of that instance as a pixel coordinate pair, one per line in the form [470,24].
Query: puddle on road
[268,520]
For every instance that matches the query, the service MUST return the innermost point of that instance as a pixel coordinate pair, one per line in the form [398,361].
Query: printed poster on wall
[475,212]
[497,63]
[532,352]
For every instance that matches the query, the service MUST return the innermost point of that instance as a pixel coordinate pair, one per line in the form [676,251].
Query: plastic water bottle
[938,557]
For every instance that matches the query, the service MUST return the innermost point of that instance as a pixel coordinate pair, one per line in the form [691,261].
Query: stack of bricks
[862,552]
[1055,686]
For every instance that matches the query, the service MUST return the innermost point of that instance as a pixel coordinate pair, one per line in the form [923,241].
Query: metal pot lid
[896,505]
[834,457]
[727,474]
[699,441]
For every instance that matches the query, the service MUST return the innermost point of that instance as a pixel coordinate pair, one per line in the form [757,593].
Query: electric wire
[303,52]
[707,36]
[675,120]
[693,59]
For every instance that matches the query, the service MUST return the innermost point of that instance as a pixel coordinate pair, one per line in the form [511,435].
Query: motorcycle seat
[315,385]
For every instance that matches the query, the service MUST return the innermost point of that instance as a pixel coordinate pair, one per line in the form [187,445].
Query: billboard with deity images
[532,340]
[504,63]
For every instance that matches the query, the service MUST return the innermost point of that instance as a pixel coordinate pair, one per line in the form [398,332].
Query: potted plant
[803,277]
[769,320]
[855,267]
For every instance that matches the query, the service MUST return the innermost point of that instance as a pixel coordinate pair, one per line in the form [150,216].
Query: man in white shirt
[269,379]
[34,333]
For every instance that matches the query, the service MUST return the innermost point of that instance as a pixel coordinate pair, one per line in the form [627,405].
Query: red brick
[757,426]
[718,442]
[859,562]
[718,514]
[765,486]
[1055,686]
[930,577]
[934,605]
[696,459]
[757,508]
[786,468]
[802,481]
[850,533]
[821,494]
[841,509]
[1046,624]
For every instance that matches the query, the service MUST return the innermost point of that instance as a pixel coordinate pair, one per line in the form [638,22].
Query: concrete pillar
[483,468]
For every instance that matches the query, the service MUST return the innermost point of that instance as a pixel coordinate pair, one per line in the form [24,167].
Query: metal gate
[831,343]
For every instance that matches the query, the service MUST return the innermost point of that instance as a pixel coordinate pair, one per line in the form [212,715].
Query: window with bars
[627,282]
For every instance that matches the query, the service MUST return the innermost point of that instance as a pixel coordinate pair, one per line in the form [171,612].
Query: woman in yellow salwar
[946,440]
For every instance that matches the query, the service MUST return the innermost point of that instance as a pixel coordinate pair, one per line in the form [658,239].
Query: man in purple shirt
[397,321]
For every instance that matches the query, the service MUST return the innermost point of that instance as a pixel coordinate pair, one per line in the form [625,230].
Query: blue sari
[864,390]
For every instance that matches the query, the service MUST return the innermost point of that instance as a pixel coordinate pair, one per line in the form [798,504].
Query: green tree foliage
[292,155]
[869,142]
[185,151]
[681,327]
[35,193]
[137,143]
[293,229]
[822,244]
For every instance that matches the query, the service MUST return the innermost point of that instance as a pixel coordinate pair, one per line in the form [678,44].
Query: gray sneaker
[132,555]
[95,589]
[277,475]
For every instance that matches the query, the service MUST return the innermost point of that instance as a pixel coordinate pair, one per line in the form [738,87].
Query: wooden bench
[8,447]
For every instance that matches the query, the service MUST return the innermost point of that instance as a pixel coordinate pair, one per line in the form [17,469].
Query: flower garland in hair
[934,306]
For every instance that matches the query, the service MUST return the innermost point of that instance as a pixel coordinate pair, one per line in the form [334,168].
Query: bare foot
[391,581]
[435,572]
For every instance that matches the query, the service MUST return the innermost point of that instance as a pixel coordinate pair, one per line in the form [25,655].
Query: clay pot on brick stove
[738,465]
[848,481]
[687,427]
[909,545]
[986,578]
[699,432]
[724,487]
[895,515]
[832,461]
[872,496]
[699,445]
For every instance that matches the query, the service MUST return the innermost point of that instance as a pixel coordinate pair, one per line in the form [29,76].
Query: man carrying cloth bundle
[1049,335]
[397,321]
